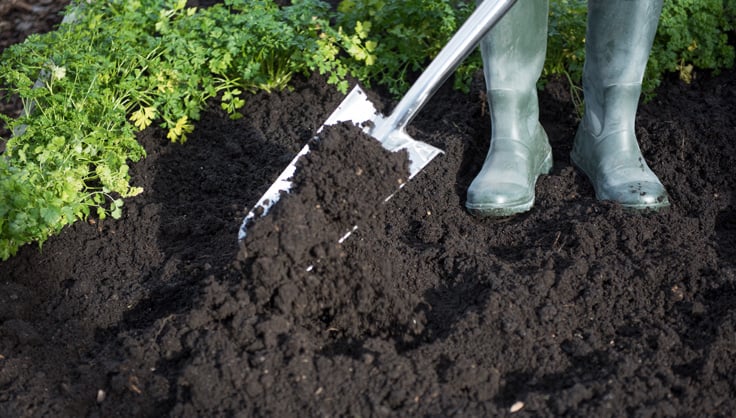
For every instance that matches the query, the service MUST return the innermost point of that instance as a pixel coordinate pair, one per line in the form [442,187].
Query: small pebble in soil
[516,407]
[677,294]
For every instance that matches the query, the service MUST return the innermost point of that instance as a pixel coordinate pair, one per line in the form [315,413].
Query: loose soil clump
[577,308]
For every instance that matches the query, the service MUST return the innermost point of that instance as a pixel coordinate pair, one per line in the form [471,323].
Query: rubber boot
[513,57]
[619,37]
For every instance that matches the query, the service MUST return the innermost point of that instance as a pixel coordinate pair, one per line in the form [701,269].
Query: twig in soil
[557,239]
[133,385]
[682,149]
[483,103]
[160,329]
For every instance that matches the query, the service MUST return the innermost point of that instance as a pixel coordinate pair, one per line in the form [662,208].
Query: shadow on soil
[202,201]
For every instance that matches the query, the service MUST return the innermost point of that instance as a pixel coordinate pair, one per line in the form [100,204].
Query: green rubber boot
[513,58]
[619,38]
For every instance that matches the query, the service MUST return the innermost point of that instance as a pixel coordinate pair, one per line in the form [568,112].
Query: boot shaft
[619,38]
[514,50]
[513,58]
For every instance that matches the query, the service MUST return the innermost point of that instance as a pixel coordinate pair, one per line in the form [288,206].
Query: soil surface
[577,308]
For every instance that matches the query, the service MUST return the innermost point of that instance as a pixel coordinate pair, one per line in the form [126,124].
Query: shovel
[391,131]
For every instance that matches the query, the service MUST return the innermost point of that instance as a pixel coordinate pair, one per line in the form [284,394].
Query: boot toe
[499,200]
[616,168]
[638,195]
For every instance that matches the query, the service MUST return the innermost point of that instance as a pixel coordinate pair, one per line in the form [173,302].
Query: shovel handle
[487,14]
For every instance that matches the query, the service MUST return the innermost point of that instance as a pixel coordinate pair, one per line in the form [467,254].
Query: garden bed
[577,308]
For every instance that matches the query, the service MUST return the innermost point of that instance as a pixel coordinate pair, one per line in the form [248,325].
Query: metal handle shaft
[457,49]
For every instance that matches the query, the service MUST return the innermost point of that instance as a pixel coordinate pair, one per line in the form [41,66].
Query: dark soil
[577,308]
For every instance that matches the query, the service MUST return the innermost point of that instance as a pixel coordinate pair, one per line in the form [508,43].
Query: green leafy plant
[402,36]
[566,45]
[692,35]
[70,155]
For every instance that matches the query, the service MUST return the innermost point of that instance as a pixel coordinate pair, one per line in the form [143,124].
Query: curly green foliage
[566,40]
[692,34]
[405,35]
[566,45]
[70,155]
